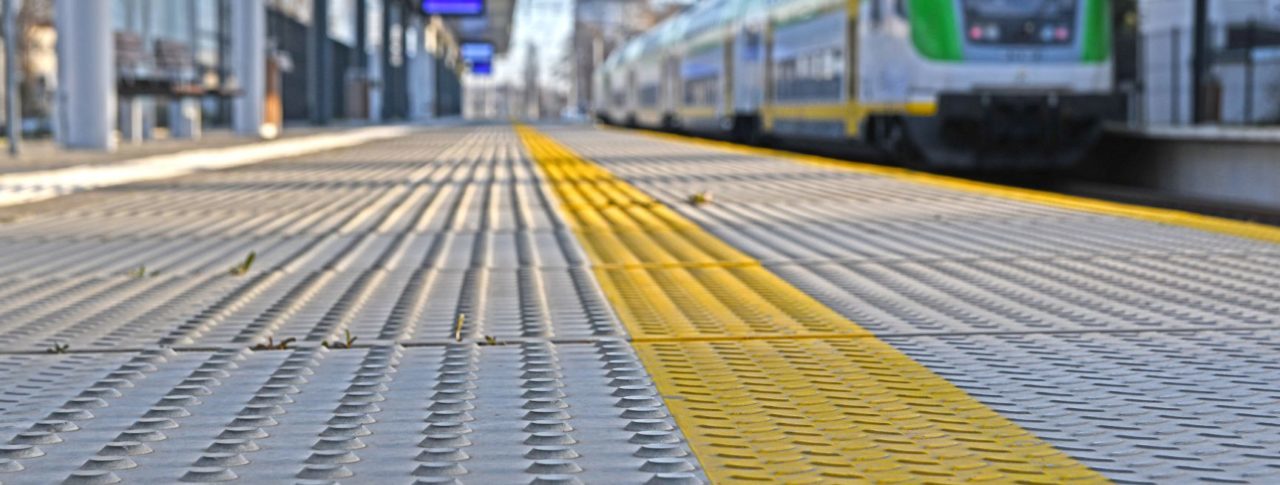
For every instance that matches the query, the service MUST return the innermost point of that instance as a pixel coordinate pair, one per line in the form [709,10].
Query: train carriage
[942,84]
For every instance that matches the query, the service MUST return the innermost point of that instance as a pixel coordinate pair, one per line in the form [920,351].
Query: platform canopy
[492,25]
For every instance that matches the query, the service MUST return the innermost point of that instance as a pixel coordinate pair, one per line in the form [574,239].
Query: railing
[1241,85]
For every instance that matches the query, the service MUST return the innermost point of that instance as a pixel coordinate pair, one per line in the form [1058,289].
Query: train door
[748,68]
[670,83]
[851,53]
[629,106]
[726,80]
[808,97]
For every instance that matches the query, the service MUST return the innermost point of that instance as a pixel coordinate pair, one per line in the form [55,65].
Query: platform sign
[453,7]
[476,51]
[478,55]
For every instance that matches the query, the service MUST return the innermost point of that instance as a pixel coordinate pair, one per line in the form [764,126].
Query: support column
[1199,59]
[248,63]
[377,60]
[320,82]
[184,118]
[419,62]
[86,102]
[131,119]
[12,98]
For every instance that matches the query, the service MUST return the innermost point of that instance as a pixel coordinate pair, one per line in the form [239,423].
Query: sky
[546,23]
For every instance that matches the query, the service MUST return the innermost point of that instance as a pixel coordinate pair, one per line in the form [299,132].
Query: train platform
[568,304]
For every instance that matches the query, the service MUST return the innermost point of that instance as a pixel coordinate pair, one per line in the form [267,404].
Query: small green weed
[58,348]
[244,266]
[701,198]
[457,327]
[341,344]
[272,345]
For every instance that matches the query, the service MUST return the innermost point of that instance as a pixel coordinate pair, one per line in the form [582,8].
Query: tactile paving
[534,412]
[484,350]
[813,410]
[1174,407]
[996,339]
[778,210]
[770,386]
[396,242]
[665,277]
[1140,347]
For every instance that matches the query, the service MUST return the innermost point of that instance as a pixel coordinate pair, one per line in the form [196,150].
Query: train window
[649,95]
[1020,22]
[752,49]
[701,91]
[817,74]
[809,58]
[700,71]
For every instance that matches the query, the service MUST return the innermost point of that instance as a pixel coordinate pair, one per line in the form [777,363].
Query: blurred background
[176,67]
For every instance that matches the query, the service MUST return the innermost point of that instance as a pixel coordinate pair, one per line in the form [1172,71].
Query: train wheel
[895,142]
[746,129]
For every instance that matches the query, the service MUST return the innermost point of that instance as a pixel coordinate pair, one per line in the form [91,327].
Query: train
[943,85]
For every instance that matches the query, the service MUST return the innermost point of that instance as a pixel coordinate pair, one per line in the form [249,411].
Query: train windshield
[1020,22]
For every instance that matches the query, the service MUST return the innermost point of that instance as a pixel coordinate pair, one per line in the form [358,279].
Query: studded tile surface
[393,241]
[1140,407]
[484,351]
[768,384]
[1140,350]
[1143,350]
[535,412]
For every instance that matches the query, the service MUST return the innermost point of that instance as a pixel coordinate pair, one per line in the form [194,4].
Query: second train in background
[960,85]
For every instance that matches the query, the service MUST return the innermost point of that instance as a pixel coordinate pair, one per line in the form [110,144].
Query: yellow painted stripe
[850,112]
[768,384]
[1172,217]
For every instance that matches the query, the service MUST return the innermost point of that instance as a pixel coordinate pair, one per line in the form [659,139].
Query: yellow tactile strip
[768,384]
[814,411]
[700,302]
[666,277]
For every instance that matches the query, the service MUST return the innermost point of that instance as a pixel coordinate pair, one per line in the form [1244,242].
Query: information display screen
[453,7]
[479,55]
[476,51]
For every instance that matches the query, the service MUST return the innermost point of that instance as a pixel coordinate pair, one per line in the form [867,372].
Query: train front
[1017,84]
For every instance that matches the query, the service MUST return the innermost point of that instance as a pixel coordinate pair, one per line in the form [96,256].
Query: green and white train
[940,84]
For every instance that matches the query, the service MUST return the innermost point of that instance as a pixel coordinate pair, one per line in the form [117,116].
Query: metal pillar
[320,82]
[184,118]
[132,120]
[377,62]
[1199,59]
[419,62]
[384,55]
[86,71]
[248,62]
[13,110]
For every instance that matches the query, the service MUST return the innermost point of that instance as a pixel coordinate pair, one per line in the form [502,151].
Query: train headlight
[1047,33]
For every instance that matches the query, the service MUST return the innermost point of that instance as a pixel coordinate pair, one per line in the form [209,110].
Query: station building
[101,72]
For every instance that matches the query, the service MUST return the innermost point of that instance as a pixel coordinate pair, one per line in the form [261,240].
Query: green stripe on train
[1097,31]
[935,30]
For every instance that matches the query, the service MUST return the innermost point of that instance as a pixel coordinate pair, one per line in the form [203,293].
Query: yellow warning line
[1152,214]
[764,380]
